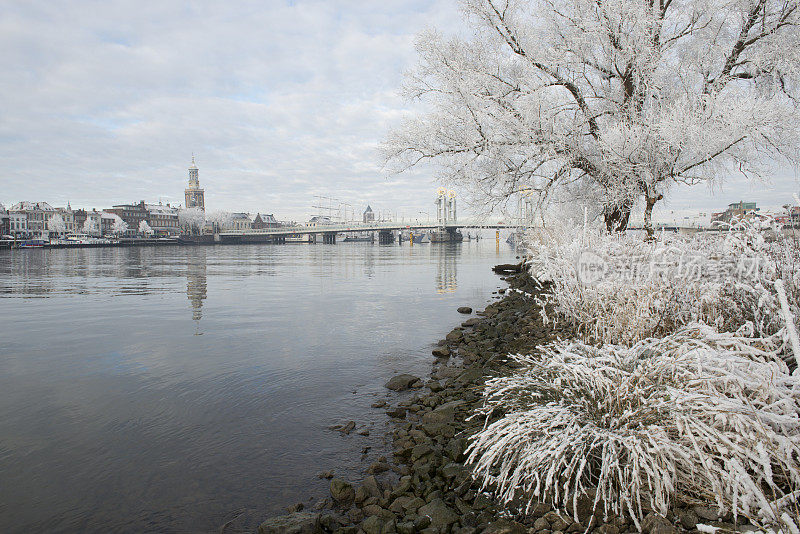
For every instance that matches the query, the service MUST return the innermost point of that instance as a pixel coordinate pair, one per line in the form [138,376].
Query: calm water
[178,389]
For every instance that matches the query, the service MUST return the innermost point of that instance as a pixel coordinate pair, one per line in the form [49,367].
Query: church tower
[195,197]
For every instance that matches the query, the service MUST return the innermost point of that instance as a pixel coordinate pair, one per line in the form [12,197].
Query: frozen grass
[699,415]
[681,384]
[650,289]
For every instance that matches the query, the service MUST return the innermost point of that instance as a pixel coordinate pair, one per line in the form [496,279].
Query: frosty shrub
[620,289]
[695,416]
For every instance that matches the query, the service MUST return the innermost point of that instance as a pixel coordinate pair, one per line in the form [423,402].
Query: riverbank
[426,486]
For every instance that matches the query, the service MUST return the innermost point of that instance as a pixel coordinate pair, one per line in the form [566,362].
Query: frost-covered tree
[90,226]
[621,98]
[145,229]
[56,224]
[191,220]
[220,219]
[119,227]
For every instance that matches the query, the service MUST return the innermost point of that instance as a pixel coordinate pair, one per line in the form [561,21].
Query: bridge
[385,230]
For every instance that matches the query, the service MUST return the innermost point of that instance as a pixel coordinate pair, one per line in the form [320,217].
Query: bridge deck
[375,227]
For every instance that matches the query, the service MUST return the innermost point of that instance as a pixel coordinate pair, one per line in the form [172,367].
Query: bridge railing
[362,227]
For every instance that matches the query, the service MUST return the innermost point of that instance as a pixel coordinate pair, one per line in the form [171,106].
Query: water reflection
[447,267]
[196,285]
[43,273]
[114,417]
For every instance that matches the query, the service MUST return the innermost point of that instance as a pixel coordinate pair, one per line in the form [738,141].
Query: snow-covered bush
[696,416]
[620,289]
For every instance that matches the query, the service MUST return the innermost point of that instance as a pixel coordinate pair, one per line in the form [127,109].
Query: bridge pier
[385,237]
[329,238]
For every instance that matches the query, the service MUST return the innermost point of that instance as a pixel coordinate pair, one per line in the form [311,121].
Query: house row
[35,219]
[749,210]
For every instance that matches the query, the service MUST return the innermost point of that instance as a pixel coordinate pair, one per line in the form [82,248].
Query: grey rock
[707,513]
[402,382]
[422,522]
[441,352]
[374,509]
[654,523]
[296,523]
[455,336]
[414,504]
[504,526]
[361,495]
[331,522]
[688,519]
[442,414]
[371,486]
[557,521]
[446,371]
[464,309]
[420,450]
[471,322]
[403,486]
[342,492]
[378,467]
[406,527]
[439,429]
[397,413]
[346,429]
[607,529]
[372,525]
[441,515]
[355,515]
[541,524]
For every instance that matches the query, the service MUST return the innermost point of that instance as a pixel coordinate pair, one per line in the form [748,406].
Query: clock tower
[195,197]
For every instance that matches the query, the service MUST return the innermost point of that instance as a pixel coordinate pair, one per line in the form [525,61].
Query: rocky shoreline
[426,486]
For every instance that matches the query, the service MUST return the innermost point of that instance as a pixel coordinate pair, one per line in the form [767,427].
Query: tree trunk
[650,201]
[616,218]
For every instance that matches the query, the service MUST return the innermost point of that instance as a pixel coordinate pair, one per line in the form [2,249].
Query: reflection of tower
[195,197]
[196,281]
[446,270]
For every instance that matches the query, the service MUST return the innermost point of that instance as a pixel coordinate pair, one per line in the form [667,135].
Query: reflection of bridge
[385,230]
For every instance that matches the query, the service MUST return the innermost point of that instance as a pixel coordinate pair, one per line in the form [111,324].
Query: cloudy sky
[104,102]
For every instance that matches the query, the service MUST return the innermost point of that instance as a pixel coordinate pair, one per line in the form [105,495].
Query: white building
[238,222]
[68,216]
[163,219]
[18,223]
[38,215]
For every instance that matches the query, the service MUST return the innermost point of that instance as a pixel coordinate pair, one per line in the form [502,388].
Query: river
[178,389]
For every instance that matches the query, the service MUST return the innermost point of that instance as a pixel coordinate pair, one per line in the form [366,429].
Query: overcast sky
[103,102]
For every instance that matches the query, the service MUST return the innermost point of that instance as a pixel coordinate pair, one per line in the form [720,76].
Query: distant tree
[627,97]
[89,226]
[56,224]
[191,220]
[145,229]
[221,220]
[119,227]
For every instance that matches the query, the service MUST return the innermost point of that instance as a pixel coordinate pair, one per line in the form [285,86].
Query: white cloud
[104,102]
